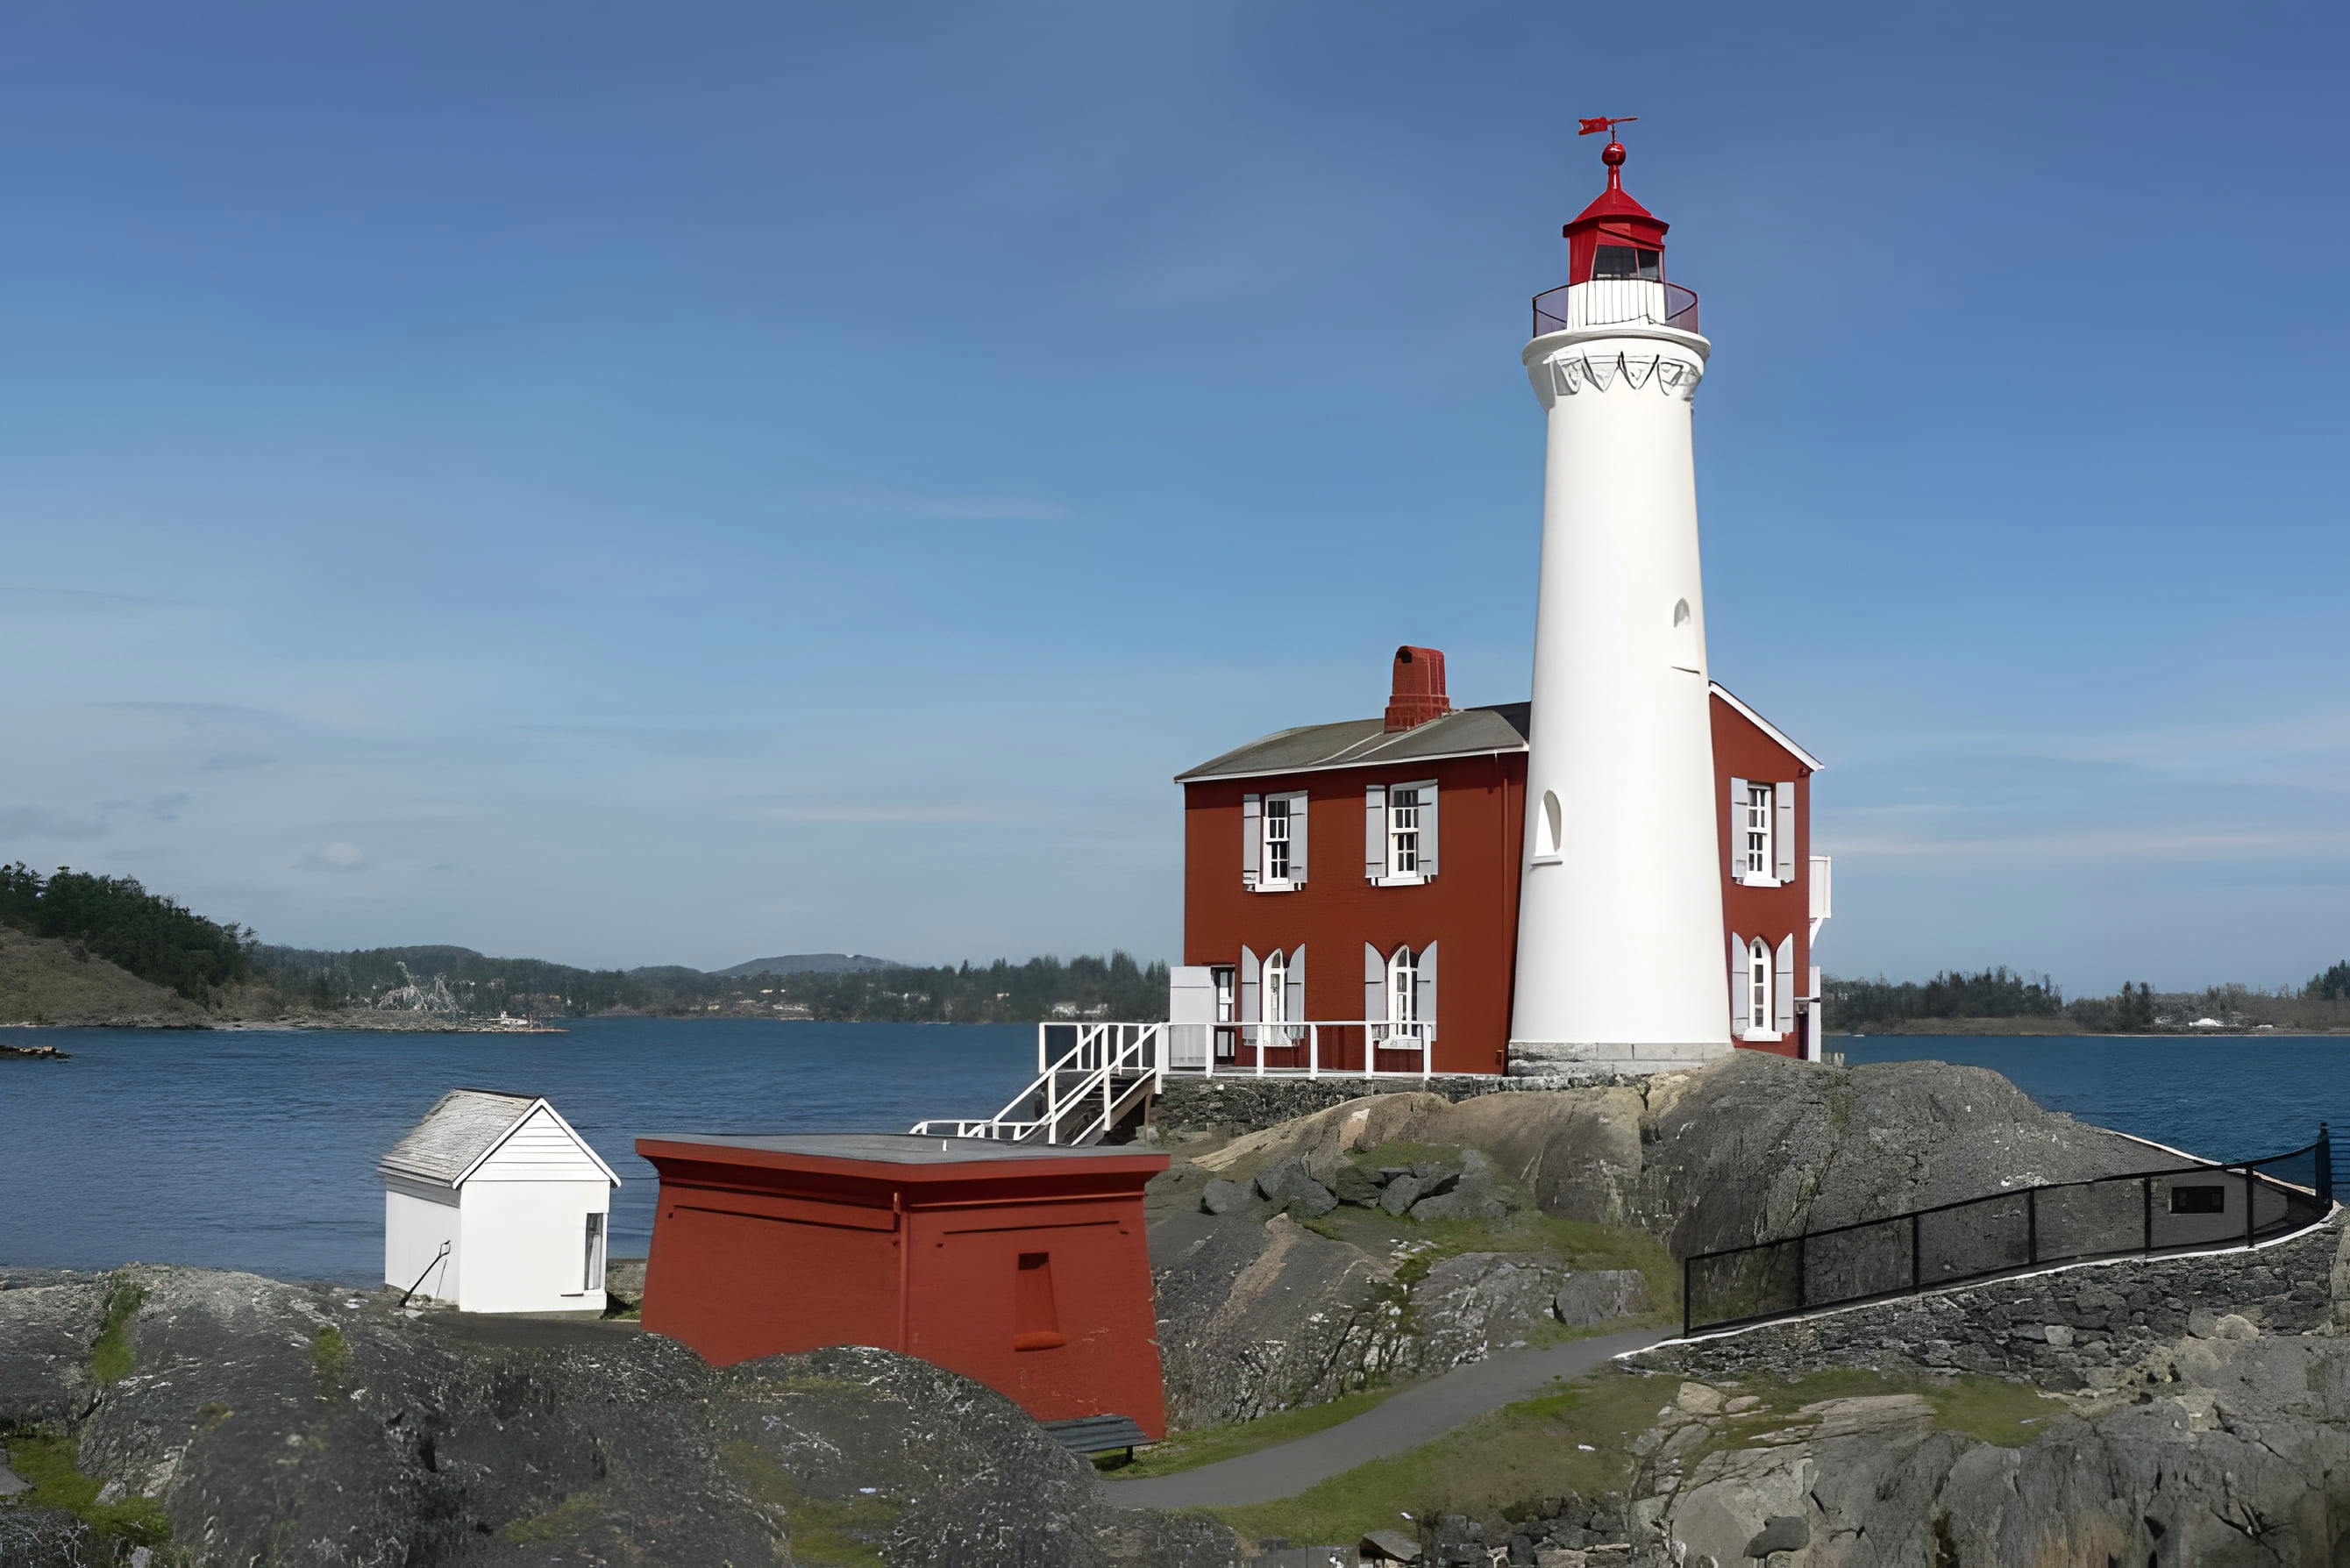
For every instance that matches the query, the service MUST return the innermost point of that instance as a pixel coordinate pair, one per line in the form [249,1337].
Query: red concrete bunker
[1022,1267]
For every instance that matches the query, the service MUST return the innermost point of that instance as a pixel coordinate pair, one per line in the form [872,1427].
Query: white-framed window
[1403,987]
[1273,842]
[593,1275]
[1756,859]
[1759,1009]
[1276,839]
[1399,834]
[1220,977]
[1762,833]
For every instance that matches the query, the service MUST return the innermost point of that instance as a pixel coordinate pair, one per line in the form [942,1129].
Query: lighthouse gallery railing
[1616,302]
[2195,1208]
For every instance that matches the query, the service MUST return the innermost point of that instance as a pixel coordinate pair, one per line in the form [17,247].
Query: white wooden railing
[1081,1093]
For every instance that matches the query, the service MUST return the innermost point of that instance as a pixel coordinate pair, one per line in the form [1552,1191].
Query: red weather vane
[1603,124]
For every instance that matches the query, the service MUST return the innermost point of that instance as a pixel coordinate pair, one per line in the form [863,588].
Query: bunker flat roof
[898,1149]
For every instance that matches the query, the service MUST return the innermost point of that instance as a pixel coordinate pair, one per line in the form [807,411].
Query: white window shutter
[1738,830]
[1425,991]
[1783,992]
[1250,1009]
[1428,834]
[1295,1012]
[1251,838]
[1298,838]
[1783,830]
[1737,982]
[1375,831]
[1375,986]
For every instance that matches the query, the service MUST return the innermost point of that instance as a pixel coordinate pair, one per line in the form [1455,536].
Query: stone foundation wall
[1244,1104]
[2082,1327]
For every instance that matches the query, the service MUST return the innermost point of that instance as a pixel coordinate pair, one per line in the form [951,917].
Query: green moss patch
[1508,1462]
[826,1532]
[51,1466]
[1207,1445]
[564,1521]
[112,1358]
[1989,1409]
[331,1360]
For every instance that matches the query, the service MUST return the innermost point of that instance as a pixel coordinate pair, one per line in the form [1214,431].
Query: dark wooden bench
[1098,1434]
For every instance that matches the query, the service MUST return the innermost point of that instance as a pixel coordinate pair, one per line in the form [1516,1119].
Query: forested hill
[152,937]
[1955,999]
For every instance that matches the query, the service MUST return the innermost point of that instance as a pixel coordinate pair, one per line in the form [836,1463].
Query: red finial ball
[1612,154]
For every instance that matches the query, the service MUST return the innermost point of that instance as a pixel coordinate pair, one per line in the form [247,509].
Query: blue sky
[673,485]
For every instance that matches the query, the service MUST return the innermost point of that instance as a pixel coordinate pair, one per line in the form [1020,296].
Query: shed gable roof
[464,1128]
[1367,742]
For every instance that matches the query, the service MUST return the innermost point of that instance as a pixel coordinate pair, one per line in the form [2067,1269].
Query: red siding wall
[1742,749]
[1471,905]
[758,1254]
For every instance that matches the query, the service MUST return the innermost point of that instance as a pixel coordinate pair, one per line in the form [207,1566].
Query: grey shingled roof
[464,1126]
[1361,742]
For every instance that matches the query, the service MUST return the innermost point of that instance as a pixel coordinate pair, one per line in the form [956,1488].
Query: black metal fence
[2193,1208]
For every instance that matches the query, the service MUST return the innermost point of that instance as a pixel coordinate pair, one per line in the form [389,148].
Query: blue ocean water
[256,1150]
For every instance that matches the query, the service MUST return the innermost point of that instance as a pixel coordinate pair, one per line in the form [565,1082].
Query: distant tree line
[479,984]
[114,917]
[2000,992]
[1000,992]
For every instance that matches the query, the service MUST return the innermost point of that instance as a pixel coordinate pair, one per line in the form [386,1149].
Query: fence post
[1916,1256]
[2251,1190]
[1689,1277]
[2031,1225]
[2146,1199]
[1800,1281]
[2325,1165]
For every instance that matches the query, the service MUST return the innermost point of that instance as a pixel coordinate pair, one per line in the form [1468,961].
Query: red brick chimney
[1418,692]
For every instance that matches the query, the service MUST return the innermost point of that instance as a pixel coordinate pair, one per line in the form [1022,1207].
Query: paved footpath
[1405,1420]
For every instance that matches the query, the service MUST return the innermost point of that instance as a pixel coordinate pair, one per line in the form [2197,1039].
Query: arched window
[1685,650]
[1275,988]
[1554,823]
[1403,987]
[1758,987]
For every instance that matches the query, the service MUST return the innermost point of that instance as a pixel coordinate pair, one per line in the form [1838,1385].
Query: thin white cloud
[883,812]
[887,502]
[2106,843]
[336,858]
[79,602]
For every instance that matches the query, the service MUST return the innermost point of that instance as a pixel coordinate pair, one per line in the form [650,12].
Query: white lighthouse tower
[1620,955]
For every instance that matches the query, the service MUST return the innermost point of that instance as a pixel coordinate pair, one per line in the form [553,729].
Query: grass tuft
[1207,1445]
[112,1358]
[51,1466]
[839,1532]
[331,1360]
[564,1520]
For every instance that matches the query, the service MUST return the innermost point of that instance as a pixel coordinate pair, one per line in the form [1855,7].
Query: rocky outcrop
[1751,1147]
[282,1425]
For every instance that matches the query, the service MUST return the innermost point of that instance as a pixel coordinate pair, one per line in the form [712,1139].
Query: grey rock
[1472,1305]
[2059,1335]
[1397,1197]
[455,1440]
[11,1483]
[1781,1532]
[1259,1317]
[1350,1183]
[1459,1206]
[1286,1182]
[1221,1196]
[1600,1296]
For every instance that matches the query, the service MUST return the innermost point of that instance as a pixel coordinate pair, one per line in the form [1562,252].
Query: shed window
[1628,261]
[2199,1200]
[1036,1322]
[592,1278]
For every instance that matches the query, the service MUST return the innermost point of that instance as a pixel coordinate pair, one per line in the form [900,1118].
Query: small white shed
[492,1202]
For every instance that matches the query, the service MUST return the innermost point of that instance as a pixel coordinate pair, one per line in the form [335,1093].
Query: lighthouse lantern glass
[1628,261]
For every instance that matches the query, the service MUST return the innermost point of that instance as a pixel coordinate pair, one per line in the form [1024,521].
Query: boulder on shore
[280,1425]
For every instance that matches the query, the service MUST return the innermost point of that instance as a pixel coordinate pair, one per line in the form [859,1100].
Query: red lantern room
[1615,237]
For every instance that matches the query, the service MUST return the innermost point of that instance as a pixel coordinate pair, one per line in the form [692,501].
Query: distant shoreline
[2023,1029]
